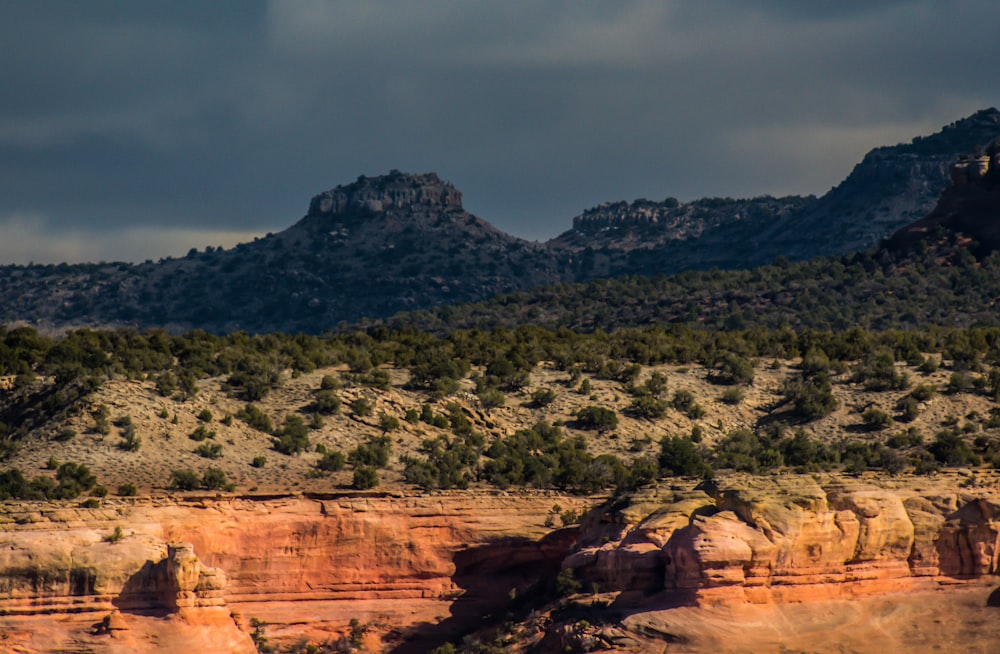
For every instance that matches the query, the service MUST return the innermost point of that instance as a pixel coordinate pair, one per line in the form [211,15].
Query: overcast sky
[133,130]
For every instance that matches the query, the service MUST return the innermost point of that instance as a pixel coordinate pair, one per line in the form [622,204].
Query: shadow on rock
[489,576]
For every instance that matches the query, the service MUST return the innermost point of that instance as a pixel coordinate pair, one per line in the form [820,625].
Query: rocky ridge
[406,240]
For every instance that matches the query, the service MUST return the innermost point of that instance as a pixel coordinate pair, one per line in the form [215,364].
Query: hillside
[280,414]
[400,242]
[890,188]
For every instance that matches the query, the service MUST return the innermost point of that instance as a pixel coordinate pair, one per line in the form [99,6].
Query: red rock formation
[793,538]
[306,566]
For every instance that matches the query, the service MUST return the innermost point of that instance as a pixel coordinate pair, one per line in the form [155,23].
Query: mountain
[890,188]
[403,242]
[373,247]
[942,270]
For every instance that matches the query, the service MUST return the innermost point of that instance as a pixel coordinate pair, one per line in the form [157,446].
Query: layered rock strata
[402,564]
[793,537]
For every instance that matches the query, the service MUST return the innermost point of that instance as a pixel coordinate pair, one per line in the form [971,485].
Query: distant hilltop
[397,190]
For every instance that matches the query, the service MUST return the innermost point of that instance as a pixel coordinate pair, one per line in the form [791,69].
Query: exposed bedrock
[793,537]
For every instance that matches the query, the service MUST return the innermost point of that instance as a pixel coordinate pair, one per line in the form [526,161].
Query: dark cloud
[228,116]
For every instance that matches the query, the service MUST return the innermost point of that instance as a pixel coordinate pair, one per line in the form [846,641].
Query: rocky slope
[397,242]
[891,187]
[405,573]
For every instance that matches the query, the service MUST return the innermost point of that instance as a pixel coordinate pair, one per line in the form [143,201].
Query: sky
[138,130]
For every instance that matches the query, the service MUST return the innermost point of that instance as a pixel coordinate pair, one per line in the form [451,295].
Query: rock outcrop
[395,191]
[411,568]
[792,538]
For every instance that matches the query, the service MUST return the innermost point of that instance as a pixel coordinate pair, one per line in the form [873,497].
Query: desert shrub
[365,477]
[326,402]
[293,437]
[362,407]
[259,461]
[648,407]
[205,415]
[596,417]
[491,398]
[748,451]
[200,433]
[542,458]
[388,423]
[733,396]
[166,384]
[734,369]
[65,434]
[253,416]
[877,371]
[329,383]
[681,457]
[331,462]
[923,392]
[566,583]
[209,450]
[875,419]
[950,449]
[904,439]
[130,442]
[543,397]
[73,480]
[446,463]
[656,385]
[127,490]
[215,479]
[803,452]
[184,479]
[811,398]
[958,382]
[373,453]
[908,408]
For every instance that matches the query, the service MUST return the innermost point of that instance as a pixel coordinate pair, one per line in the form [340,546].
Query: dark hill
[890,188]
[399,242]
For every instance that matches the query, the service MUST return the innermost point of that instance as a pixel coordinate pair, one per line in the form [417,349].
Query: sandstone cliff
[412,569]
[792,537]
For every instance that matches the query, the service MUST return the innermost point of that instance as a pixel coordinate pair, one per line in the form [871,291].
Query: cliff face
[413,569]
[791,538]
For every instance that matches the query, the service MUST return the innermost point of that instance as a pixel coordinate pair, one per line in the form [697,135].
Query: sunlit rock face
[792,537]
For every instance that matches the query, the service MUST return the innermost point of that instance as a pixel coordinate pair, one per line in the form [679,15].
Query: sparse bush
[331,462]
[365,477]
[648,407]
[543,397]
[215,479]
[205,415]
[596,417]
[875,419]
[259,461]
[184,479]
[209,450]
[127,490]
[733,396]
[253,416]
[200,433]
[362,407]
[373,453]
[294,436]
[326,402]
